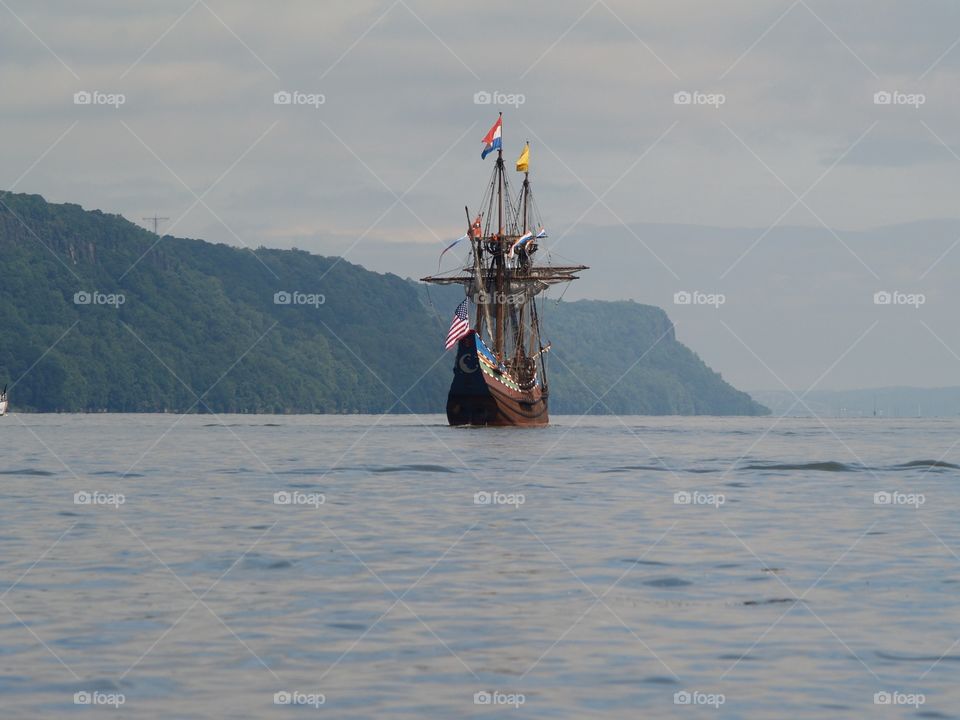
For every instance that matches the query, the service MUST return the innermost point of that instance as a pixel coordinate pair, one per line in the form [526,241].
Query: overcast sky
[784,185]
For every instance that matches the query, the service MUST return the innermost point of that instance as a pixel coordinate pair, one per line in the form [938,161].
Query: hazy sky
[788,189]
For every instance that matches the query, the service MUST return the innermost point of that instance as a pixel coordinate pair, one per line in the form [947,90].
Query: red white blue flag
[460,325]
[491,141]
[521,241]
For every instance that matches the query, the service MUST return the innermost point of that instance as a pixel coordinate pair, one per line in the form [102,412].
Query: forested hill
[98,314]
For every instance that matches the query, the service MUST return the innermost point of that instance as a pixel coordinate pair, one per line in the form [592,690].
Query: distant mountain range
[884,402]
[98,314]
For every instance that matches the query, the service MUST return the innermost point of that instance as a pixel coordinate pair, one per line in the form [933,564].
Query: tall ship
[499,376]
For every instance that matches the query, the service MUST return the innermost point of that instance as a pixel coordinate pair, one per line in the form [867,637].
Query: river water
[365,567]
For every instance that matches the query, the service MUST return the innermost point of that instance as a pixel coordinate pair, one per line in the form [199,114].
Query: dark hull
[480,395]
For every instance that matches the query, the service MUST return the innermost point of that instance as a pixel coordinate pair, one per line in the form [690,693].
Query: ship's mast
[498,344]
[520,350]
[477,247]
[526,188]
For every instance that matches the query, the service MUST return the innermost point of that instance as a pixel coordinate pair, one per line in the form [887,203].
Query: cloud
[398,119]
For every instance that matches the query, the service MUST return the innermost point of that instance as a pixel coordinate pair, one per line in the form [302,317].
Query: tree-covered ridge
[595,343]
[99,314]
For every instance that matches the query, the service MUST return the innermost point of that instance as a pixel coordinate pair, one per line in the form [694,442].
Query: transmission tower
[156,220]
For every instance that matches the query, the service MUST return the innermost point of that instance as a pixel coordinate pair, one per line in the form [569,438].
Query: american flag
[460,325]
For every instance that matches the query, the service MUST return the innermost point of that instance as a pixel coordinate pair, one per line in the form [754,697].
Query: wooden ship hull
[483,392]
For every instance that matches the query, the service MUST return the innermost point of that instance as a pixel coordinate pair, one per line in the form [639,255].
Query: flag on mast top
[523,162]
[491,141]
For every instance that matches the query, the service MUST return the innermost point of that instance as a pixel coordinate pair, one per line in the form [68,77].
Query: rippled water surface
[785,587]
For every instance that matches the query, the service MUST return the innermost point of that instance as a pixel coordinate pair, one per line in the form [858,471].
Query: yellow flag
[523,162]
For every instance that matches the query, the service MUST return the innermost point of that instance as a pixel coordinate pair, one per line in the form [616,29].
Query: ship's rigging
[502,278]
